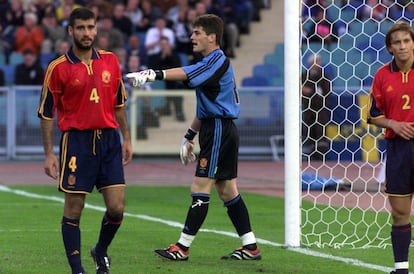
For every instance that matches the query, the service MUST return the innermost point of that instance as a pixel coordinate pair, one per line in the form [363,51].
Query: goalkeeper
[217,107]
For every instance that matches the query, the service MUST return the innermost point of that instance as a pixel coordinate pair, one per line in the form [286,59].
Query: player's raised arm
[141,77]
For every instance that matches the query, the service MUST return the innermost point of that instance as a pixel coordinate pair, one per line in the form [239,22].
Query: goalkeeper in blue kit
[217,106]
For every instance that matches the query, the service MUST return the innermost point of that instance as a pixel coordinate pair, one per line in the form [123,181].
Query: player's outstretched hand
[141,77]
[186,152]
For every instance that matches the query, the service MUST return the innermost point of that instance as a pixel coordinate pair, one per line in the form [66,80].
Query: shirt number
[406,99]
[94,96]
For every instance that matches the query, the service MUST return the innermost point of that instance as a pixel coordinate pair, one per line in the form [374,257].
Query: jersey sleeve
[121,96]
[376,104]
[51,89]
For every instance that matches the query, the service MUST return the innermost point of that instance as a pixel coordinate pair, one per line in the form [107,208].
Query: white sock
[248,238]
[186,239]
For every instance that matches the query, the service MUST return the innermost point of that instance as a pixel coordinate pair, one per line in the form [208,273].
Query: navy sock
[401,239]
[239,216]
[109,227]
[196,213]
[71,241]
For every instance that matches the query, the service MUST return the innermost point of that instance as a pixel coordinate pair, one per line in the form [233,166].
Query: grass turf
[30,239]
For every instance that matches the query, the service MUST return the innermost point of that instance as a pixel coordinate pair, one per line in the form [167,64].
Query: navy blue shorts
[219,149]
[90,158]
[399,171]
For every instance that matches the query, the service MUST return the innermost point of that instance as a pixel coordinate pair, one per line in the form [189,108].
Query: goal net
[342,202]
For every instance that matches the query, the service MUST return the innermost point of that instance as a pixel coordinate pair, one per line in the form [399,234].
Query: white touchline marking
[225,233]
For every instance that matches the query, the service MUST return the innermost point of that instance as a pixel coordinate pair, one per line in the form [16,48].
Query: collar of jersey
[395,68]
[73,59]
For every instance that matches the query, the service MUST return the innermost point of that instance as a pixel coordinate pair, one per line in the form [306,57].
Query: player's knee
[400,217]
[116,210]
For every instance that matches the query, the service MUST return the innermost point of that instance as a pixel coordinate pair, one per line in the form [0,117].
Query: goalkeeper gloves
[141,77]
[187,145]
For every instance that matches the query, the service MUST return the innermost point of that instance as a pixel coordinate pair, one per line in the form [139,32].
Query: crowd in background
[322,26]
[128,28]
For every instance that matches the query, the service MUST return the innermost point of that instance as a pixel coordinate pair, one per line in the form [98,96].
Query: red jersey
[85,96]
[392,95]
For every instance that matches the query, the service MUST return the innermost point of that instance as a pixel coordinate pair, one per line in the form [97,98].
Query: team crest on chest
[106,76]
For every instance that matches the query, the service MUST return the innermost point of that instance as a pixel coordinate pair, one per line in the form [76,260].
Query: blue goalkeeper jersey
[216,90]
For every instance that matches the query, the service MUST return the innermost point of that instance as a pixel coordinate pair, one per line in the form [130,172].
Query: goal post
[292,123]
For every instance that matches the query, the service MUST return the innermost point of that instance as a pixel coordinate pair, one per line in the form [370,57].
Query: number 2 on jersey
[406,105]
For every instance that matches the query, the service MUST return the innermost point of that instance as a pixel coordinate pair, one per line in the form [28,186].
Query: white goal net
[343,204]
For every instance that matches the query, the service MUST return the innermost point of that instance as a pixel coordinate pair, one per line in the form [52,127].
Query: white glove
[141,77]
[186,152]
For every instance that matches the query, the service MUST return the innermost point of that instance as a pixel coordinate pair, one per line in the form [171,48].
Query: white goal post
[292,123]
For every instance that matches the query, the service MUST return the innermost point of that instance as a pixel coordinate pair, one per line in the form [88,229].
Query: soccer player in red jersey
[391,107]
[85,87]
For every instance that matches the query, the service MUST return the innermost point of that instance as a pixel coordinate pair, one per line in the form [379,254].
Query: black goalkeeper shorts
[219,149]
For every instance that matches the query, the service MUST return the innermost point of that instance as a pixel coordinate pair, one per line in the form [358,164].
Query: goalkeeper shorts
[219,147]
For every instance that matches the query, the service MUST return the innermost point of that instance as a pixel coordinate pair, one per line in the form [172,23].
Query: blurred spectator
[30,35]
[224,10]
[64,21]
[321,30]
[315,91]
[136,47]
[103,41]
[4,7]
[372,9]
[121,21]
[242,11]
[165,59]
[134,13]
[62,46]
[149,117]
[41,8]
[150,14]
[164,5]
[114,36]
[154,34]
[183,30]
[66,4]
[30,72]
[312,7]
[121,55]
[2,80]
[52,31]
[7,38]
[175,12]
[104,8]
[15,14]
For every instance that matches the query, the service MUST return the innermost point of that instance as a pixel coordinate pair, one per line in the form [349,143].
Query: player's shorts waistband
[92,130]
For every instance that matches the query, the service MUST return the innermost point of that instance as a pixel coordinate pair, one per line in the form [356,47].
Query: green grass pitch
[30,239]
